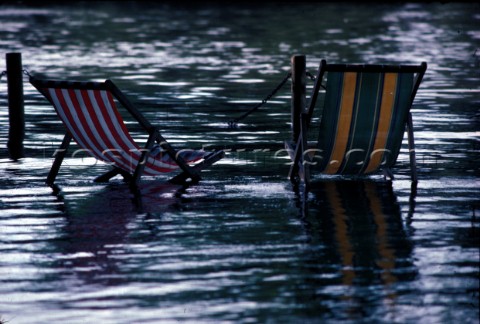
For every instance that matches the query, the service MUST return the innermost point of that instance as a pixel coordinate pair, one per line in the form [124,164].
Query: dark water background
[235,248]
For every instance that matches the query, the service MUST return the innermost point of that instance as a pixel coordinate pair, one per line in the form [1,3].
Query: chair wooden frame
[188,172]
[298,147]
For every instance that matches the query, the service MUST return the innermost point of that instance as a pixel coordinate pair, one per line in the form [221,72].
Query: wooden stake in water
[16,131]
[298,63]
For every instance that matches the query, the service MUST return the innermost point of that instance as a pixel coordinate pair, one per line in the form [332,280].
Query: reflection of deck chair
[362,227]
[366,108]
[89,112]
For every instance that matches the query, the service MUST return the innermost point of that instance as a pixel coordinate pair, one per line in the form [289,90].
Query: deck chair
[360,130]
[89,112]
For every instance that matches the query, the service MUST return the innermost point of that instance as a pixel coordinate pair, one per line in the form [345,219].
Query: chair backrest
[364,116]
[89,112]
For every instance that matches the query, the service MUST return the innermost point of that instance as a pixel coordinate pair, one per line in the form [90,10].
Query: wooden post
[298,63]
[16,132]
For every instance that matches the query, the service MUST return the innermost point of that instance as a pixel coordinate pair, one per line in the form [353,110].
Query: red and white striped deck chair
[89,112]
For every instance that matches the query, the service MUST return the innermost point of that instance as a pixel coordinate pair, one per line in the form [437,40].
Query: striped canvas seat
[90,114]
[362,122]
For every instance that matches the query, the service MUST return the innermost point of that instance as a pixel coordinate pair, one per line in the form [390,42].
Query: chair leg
[411,148]
[301,166]
[388,174]
[107,175]
[190,171]
[412,202]
[294,169]
[208,161]
[305,159]
[143,159]
[110,174]
[59,156]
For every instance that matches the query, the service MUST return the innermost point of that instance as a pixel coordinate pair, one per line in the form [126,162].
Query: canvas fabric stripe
[344,118]
[386,111]
[363,123]
[399,117]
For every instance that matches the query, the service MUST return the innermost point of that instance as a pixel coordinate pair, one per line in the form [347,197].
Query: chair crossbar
[375,68]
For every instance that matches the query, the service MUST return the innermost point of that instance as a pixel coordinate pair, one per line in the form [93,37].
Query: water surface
[240,246]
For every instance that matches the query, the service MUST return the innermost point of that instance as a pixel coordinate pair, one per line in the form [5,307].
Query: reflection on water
[362,229]
[90,239]
[239,247]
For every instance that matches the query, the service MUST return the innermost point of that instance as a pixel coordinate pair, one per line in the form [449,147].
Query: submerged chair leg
[190,171]
[412,202]
[208,161]
[411,148]
[112,173]
[59,156]
[107,175]
[388,174]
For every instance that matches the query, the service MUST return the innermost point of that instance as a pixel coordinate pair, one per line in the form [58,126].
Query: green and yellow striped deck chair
[365,112]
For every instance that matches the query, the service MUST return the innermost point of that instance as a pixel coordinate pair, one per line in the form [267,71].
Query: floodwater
[240,247]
